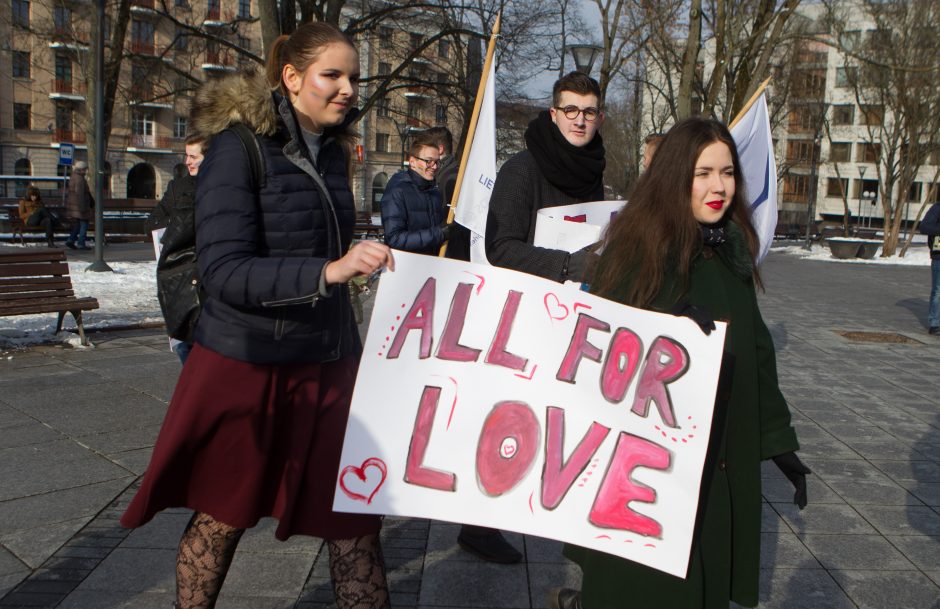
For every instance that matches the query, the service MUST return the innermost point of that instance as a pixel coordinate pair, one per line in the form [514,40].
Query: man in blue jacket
[930,226]
[414,215]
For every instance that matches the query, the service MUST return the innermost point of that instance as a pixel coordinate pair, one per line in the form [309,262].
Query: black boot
[488,544]
[564,598]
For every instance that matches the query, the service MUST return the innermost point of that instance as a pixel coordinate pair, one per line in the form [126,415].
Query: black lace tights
[207,548]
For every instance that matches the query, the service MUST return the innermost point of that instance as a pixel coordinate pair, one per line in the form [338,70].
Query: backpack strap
[255,158]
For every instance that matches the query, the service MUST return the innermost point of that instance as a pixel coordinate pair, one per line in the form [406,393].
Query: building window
[416,40]
[810,84]
[21,116]
[850,40]
[243,42]
[63,69]
[141,123]
[796,188]
[244,8]
[214,10]
[20,64]
[385,36]
[840,152]
[142,37]
[384,68]
[63,120]
[915,192]
[381,142]
[868,153]
[871,115]
[440,114]
[383,107]
[21,13]
[443,48]
[799,151]
[181,3]
[62,19]
[837,187]
[107,30]
[180,125]
[182,40]
[846,77]
[843,114]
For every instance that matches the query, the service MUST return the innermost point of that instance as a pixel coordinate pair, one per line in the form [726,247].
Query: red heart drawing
[360,472]
[556,306]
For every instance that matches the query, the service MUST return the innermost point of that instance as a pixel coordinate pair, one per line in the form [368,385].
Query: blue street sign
[66,154]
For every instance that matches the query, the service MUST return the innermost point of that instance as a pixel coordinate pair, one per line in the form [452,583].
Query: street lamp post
[819,120]
[584,56]
[861,186]
[99,265]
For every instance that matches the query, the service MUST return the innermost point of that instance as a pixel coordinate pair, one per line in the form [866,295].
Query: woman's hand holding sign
[363,258]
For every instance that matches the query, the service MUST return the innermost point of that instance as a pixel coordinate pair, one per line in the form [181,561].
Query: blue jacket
[412,214]
[261,255]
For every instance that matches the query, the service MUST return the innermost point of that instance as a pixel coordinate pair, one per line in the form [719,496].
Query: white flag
[756,152]
[473,201]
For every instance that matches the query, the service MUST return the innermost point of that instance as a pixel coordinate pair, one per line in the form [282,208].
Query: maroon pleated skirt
[243,441]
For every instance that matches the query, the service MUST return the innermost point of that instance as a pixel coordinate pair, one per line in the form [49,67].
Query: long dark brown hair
[656,231]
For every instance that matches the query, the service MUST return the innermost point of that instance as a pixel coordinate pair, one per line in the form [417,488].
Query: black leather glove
[581,264]
[445,231]
[795,471]
[699,315]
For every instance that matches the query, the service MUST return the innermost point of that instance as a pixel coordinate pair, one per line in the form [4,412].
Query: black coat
[930,226]
[261,255]
[412,214]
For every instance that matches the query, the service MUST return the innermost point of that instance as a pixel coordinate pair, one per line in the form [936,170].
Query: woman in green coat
[685,245]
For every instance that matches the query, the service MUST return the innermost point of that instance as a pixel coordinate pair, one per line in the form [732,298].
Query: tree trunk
[690,60]
[270,23]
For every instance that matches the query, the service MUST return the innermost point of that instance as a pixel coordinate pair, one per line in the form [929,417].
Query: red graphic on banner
[360,473]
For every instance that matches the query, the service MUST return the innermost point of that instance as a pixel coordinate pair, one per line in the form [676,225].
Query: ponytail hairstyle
[300,49]
[656,230]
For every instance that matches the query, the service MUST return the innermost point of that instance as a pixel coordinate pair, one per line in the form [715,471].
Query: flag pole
[749,103]
[477,104]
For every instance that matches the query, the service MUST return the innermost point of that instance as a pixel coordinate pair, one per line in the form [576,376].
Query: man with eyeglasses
[563,163]
[414,215]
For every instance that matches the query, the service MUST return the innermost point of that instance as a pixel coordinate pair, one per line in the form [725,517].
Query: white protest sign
[571,227]
[501,399]
[157,235]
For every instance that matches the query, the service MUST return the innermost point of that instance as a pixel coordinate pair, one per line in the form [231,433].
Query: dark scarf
[727,240]
[577,172]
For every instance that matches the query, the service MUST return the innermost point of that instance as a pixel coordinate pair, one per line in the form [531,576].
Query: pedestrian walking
[685,245]
[33,212]
[80,207]
[930,226]
[256,422]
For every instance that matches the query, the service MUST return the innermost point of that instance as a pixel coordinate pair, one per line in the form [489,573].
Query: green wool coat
[752,423]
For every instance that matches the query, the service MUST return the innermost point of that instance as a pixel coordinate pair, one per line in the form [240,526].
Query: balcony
[157,144]
[142,47]
[143,96]
[69,136]
[219,60]
[68,89]
[65,37]
[143,7]
[215,17]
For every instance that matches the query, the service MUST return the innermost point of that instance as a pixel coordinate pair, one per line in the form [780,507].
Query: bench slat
[25,296]
[32,269]
[48,255]
[12,284]
[61,304]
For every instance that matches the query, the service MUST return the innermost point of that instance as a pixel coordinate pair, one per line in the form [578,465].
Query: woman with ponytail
[685,245]
[256,423]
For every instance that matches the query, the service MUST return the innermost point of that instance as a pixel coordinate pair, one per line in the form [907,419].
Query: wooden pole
[749,103]
[477,104]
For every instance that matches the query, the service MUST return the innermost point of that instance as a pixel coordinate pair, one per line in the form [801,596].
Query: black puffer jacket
[412,214]
[261,256]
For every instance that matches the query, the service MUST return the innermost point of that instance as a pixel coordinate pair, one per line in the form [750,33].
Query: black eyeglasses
[429,162]
[572,112]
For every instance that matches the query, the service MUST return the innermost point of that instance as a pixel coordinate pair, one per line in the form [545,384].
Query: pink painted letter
[507,447]
[497,353]
[622,360]
[558,476]
[415,470]
[419,317]
[611,506]
[450,348]
[657,374]
[579,347]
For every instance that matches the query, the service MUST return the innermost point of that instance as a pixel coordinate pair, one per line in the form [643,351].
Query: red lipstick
[716,205]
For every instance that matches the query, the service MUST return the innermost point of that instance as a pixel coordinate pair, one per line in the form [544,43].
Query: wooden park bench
[38,282]
[18,226]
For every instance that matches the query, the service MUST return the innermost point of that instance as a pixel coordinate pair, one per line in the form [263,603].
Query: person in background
[414,216]
[930,226]
[650,142]
[563,163]
[256,424]
[33,212]
[80,207]
[685,245]
[176,213]
[458,244]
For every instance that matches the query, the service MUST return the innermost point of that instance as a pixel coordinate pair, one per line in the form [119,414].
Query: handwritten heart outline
[557,304]
[360,472]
